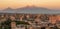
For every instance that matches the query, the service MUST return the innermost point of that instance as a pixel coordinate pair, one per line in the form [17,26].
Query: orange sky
[22,3]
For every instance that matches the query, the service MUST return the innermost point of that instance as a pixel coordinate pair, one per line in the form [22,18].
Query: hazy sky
[22,3]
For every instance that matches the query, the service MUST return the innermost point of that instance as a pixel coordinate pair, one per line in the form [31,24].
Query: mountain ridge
[32,10]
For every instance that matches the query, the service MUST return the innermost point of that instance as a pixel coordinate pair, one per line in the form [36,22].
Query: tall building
[13,25]
[53,19]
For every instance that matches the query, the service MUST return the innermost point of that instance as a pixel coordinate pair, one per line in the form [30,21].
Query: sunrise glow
[23,3]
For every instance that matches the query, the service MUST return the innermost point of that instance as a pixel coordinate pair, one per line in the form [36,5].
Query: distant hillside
[32,10]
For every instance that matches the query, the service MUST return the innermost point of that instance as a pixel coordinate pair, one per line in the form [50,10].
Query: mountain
[8,9]
[31,10]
